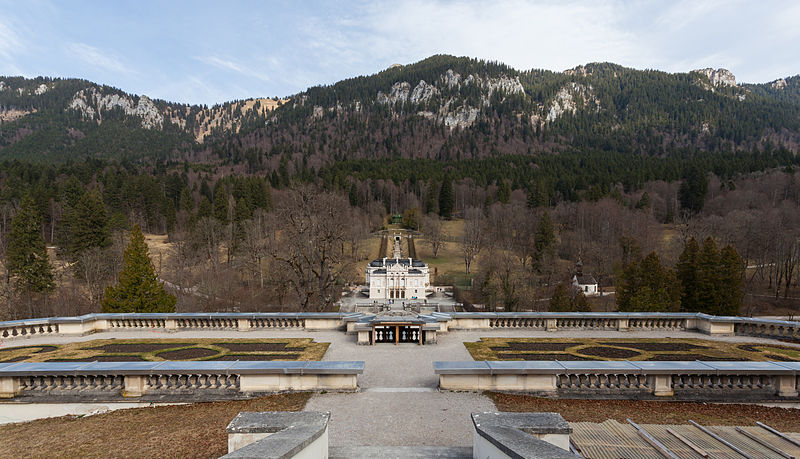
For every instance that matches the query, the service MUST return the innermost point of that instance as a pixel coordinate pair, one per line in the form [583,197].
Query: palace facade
[397,278]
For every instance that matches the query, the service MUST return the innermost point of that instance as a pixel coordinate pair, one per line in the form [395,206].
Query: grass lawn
[169,349]
[178,431]
[652,412]
[625,349]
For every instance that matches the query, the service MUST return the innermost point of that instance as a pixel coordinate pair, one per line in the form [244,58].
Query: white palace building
[397,278]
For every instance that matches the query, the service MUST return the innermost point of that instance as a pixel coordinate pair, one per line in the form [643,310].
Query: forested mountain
[440,108]
[622,158]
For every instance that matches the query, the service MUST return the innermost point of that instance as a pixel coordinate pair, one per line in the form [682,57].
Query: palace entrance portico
[397,329]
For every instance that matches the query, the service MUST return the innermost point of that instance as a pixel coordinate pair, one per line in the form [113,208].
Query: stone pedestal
[243,324]
[787,386]
[135,386]
[622,324]
[171,325]
[551,325]
[9,387]
[662,385]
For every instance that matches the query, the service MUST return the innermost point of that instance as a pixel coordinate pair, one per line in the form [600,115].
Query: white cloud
[11,45]
[97,57]
[227,64]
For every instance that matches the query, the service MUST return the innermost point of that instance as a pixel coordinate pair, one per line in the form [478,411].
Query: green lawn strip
[706,350]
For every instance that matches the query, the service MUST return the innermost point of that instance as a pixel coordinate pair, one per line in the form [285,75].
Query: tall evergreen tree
[708,278]
[89,224]
[432,198]
[138,290]
[27,254]
[731,278]
[693,189]
[560,300]
[687,268]
[221,204]
[647,286]
[446,199]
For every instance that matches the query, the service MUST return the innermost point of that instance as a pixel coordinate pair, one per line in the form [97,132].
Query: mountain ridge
[440,107]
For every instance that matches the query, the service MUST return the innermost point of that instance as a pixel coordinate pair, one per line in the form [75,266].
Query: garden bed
[663,349]
[122,348]
[155,350]
[258,347]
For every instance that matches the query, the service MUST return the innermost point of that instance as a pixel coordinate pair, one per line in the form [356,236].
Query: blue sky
[210,52]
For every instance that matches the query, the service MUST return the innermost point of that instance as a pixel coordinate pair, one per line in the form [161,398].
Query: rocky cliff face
[780,84]
[92,104]
[719,77]
[569,98]
[452,112]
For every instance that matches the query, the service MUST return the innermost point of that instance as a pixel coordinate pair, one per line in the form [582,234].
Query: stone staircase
[387,452]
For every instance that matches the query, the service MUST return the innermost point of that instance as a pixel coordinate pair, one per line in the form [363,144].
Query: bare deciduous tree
[473,237]
[311,246]
[434,233]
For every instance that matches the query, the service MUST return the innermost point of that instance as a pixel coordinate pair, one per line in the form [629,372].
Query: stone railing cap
[512,433]
[462,367]
[525,367]
[291,433]
[181,367]
[589,366]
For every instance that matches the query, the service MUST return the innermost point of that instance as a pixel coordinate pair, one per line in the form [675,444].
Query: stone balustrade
[687,380]
[181,379]
[92,323]
[550,321]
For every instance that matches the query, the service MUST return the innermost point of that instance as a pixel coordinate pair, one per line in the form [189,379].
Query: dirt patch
[258,347]
[188,354]
[543,346]
[651,347]
[520,356]
[780,358]
[748,348]
[256,357]
[652,412]
[19,358]
[196,430]
[103,358]
[701,357]
[136,348]
[609,352]
[41,349]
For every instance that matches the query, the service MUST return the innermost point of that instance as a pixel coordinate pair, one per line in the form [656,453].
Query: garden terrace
[668,349]
[155,350]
